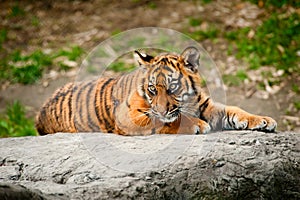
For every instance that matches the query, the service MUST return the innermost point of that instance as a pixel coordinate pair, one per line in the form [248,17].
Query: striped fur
[162,96]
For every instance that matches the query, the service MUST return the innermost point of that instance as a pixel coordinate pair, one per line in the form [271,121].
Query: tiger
[164,95]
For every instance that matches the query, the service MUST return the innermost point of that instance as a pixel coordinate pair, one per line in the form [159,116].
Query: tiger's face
[171,84]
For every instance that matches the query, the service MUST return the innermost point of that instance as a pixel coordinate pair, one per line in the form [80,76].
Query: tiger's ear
[143,59]
[191,56]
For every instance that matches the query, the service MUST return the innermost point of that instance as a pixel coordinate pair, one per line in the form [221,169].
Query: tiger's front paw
[194,126]
[202,127]
[253,122]
[260,123]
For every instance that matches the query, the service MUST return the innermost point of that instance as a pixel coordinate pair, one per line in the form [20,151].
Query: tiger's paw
[254,122]
[202,128]
[194,126]
[260,123]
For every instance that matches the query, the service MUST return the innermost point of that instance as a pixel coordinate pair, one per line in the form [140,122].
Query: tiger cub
[163,95]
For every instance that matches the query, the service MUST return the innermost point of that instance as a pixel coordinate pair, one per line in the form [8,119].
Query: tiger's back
[78,107]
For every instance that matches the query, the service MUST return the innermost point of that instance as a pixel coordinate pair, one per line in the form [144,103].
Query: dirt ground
[87,23]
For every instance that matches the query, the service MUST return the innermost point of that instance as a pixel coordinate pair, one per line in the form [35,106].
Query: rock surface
[226,165]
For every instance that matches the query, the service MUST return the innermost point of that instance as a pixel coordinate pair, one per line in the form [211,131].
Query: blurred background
[254,43]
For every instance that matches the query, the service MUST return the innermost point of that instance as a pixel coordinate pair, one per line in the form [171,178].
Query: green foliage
[275,43]
[116,31]
[121,67]
[16,10]
[277,3]
[297,105]
[296,88]
[27,69]
[152,5]
[194,21]
[241,74]
[200,35]
[3,37]
[14,123]
[72,54]
[35,21]
[24,69]
[235,79]
[206,1]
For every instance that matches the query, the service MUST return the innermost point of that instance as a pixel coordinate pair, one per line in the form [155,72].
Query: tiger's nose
[161,110]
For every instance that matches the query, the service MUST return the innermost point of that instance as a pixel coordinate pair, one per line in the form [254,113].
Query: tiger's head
[171,84]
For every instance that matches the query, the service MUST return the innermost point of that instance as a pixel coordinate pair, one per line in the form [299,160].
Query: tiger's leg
[222,117]
[237,118]
[131,117]
[185,125]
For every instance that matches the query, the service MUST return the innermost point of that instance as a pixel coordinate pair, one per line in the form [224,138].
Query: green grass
[235,79]
[27,69]
[121,67]
[297,105]
[16,11]
[3,37]
[277,3]
[14,123]
[73,54]
[200,35]
[194,21]
[296,88]
[275,43]
[35,21]
[152,5]
[206,1]
[116,31]
[24,69]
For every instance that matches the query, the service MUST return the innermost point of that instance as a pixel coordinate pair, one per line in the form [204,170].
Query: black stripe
[164,60]
[97,108]
[101,117]
[233,120]
[55,109]
[168,68]
[80,112]
[202,109]
[167,124]
[108,121]
[173,65]
[70,103]
[193,85]
[108,126]
[91,124]
[145,113]
[64,113]
[103,92]
[228,120]
[143,89]
[63,96]
[127,103]
[155,70]
[108,109]
[199,98]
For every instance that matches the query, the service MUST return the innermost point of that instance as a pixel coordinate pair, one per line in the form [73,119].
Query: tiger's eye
[173,88]
[152,89]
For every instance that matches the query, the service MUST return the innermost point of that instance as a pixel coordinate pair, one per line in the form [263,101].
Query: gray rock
[104,166]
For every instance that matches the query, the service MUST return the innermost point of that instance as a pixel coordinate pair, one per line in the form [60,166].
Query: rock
[226,165]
